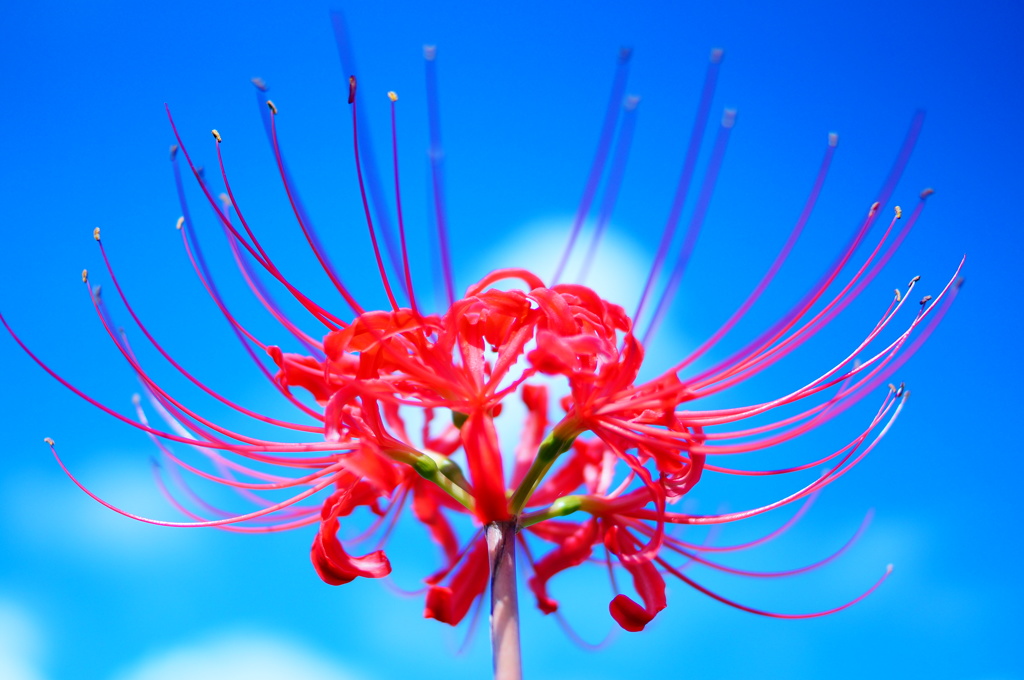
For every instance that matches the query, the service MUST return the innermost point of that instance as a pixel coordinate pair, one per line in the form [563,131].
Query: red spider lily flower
[399,406]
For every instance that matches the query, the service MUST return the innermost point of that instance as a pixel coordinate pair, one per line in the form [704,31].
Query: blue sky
[87,594]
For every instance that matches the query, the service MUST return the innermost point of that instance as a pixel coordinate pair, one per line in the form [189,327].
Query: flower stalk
[501,554]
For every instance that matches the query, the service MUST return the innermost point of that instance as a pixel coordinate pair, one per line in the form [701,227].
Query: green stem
[437,469]
[549,450]
[566,505]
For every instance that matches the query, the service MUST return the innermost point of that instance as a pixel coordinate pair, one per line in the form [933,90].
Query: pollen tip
[833,139]
[174,151]
[914,280]
[48,440]
[136,399]
[430,52]
[273,109]
[392,95]
[728,118]
[888,569]
[892,388]
[926,193]
[85,276]
[631,102]
[899,296]
[899,212]
[216,135]
[625,53]
[716,55]
[260,84]
[96,233]
[180,223]
[351,89]
[925,299]
[225,200]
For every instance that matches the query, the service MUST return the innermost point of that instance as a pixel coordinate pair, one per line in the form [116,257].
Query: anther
[96,233]
[874,208]
[180,223]
[225,200]
[892,388]
[914,280]
[48,441]
[716,55]
[260,84]
[728,118]
[926,193]
[899,390]
[925,299]
[430,52]
[136,399]
[96,291]
[174,151]
[351,89]
[216,135]
[85,276]
[899,212]
[273,109]
[624,54]
[631,102]
[833,139]
[899,296]
[393,96]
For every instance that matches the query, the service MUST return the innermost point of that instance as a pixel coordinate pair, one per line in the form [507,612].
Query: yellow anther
[96,233]
[833,139]
[48,441]
[180,223]
[270,105]
[874,208]
[392,95]
[224,200]
[926,193]
[914,280]
[216,135]
[85,275]
[899,212]
[925,299]
[899,296]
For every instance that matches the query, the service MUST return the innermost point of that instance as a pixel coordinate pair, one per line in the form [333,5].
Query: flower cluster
[400,405]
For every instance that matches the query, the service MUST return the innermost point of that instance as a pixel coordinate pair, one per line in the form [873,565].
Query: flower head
[399,406]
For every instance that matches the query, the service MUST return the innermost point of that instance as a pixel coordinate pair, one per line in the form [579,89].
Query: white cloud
[20,646]
[249,655]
